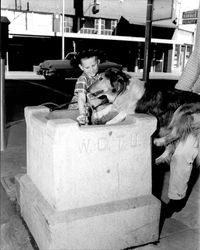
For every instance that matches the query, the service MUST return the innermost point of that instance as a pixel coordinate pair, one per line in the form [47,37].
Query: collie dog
[177,112]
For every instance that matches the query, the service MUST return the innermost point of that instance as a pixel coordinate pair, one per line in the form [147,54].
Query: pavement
[25,75]
[181,231]
[14,233]
[33,75]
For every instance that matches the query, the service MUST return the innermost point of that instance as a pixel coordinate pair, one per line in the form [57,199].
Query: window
[68,23]
[96,24]
[99,26]
[89,23]
[108,24]
[90,26]
[113,24]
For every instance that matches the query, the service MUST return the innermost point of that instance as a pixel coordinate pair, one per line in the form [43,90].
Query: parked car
[61,69]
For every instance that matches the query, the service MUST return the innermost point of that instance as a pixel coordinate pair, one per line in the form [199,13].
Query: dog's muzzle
[96,99]
[96,94]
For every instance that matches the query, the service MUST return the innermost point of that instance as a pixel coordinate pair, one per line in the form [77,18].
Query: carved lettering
[113,144]
[121,142]
[84,146]
[135,140]
[103,144]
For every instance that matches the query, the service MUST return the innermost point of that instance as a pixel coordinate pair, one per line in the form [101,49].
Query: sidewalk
[28,75]
[182,231]
[14,234]
[23,75]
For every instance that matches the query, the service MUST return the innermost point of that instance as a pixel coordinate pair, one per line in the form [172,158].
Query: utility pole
[63,29]
[3,49]
[78,6]
[148,29]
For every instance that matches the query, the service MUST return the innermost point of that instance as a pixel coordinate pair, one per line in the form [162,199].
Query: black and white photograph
[100,124]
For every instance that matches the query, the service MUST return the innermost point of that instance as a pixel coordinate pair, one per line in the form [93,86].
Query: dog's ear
[118,79]
[118,86]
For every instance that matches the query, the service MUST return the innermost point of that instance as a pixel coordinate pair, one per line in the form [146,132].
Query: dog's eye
[100,78]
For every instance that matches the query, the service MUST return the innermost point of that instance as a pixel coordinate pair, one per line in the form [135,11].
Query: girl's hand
[82,119]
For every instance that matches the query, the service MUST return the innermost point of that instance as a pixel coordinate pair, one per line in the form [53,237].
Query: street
[22,93]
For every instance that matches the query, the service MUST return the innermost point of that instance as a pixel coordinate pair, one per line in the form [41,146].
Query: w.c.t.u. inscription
[116,143]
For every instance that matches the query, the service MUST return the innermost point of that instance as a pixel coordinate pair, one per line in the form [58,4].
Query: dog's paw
[118,118]
[159,160]
[162,159]
[159,141]
[111,122]
[166,156]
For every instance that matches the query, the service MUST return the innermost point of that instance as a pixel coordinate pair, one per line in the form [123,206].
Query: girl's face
[89,66]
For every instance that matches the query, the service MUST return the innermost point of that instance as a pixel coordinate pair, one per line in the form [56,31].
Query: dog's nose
[90,95]
[102,97]
[97,93]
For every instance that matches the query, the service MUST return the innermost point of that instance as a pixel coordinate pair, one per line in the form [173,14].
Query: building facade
[37,28]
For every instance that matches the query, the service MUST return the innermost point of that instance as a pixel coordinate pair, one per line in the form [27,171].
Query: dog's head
[110,84]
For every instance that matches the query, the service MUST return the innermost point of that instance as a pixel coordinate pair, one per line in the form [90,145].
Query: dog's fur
[122,93]
[174,109]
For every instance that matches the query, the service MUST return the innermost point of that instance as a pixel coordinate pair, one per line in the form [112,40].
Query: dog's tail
[185,121]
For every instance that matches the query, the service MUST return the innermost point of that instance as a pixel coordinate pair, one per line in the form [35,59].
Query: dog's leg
[160,141]
[166,155]
[118,118]
[103,112]
[169,138]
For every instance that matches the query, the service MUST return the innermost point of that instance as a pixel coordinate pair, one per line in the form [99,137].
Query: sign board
[163,9]
[190,14]
[189,21]
[190,17]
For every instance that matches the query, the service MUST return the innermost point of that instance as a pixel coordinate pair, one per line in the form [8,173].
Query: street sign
[190,14]
[190,17]
[189,21]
